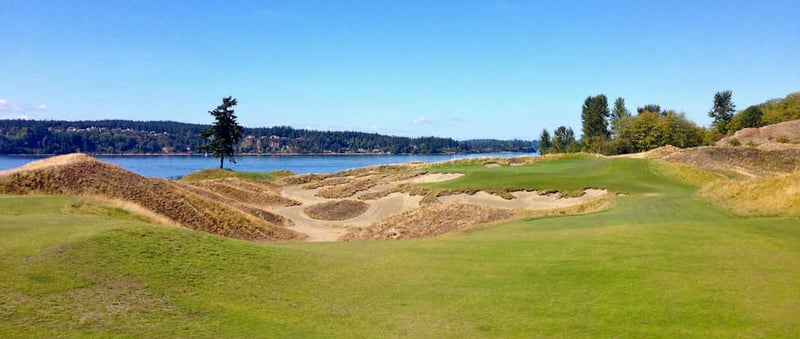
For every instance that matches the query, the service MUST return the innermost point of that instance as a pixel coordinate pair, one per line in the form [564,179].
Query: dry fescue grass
[85,176]
[352,186]
[429,220]
[301,179]
[329,181]
[337,210]
[768,196]
[210,174]
[100,205]
[50,162]
[258,209]
[244,191]
[381,169]
[747,161]
[783,133]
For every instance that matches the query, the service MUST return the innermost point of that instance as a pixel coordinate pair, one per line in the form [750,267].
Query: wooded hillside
[166,137]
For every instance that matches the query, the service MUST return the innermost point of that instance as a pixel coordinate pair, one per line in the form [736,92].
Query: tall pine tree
[618,113]
[722,111]
[595,122]
[225,133]
[545,143]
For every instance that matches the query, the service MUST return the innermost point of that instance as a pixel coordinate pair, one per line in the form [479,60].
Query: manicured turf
[659,264]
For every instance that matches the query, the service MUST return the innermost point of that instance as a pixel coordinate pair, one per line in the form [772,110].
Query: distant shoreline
[262,154]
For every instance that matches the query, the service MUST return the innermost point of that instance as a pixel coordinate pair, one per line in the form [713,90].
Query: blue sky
[461,69]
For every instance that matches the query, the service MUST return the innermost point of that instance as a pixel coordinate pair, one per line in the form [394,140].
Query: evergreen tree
[545,144]
[618,113]
[595,122]
[722,111]
[651,108]
[563,138]
[225,134]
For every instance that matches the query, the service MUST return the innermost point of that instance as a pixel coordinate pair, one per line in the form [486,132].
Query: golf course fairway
[660,262]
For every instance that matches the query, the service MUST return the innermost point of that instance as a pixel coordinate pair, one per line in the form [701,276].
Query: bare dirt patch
[336,210]
[782,134]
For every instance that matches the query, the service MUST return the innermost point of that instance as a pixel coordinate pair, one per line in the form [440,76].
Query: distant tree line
[169,137]
[617,131]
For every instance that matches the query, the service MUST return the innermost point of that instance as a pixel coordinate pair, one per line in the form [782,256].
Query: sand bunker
[527,200]
[379,209]
[386,208]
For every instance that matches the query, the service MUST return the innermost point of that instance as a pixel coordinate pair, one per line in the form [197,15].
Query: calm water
[172,166]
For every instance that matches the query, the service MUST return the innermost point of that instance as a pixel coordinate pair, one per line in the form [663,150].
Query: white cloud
[9,106]
[420,120]
[15,110]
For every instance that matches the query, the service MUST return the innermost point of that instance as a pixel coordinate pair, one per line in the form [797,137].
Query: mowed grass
[572,174]
[661,263]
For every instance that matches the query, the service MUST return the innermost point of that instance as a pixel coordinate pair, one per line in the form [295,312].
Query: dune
[371,203]
[79,174]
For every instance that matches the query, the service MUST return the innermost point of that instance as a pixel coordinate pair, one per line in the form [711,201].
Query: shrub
[734,142]
[783,139]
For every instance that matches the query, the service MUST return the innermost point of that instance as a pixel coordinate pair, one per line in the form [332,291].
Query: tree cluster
[616,131]
[770,112]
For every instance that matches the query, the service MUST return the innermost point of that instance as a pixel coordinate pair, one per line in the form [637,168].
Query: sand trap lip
[327,230]
[431,178]
[522,199]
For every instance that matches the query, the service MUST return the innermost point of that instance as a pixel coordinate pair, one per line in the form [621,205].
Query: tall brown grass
[765,196]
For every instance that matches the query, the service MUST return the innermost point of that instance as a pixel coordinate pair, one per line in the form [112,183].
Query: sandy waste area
[394,203]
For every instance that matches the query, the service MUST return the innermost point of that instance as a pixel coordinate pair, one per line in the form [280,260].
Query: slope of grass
[659,264]
[208,174]
[766,196]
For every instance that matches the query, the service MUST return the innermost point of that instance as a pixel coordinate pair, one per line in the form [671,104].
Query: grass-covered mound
[79,174]
[768,196]
[660,263]
[735,161]
[209,174]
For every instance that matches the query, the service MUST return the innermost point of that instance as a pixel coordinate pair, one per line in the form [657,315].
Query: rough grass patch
[208,174]
[768,196]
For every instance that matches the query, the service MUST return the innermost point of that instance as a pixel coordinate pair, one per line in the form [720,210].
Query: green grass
[570,175]
[659,264]
[208,174]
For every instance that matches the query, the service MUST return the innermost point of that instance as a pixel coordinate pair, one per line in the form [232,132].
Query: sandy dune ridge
[397,206]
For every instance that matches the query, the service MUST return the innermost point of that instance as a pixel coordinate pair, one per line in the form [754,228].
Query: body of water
[173,166]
